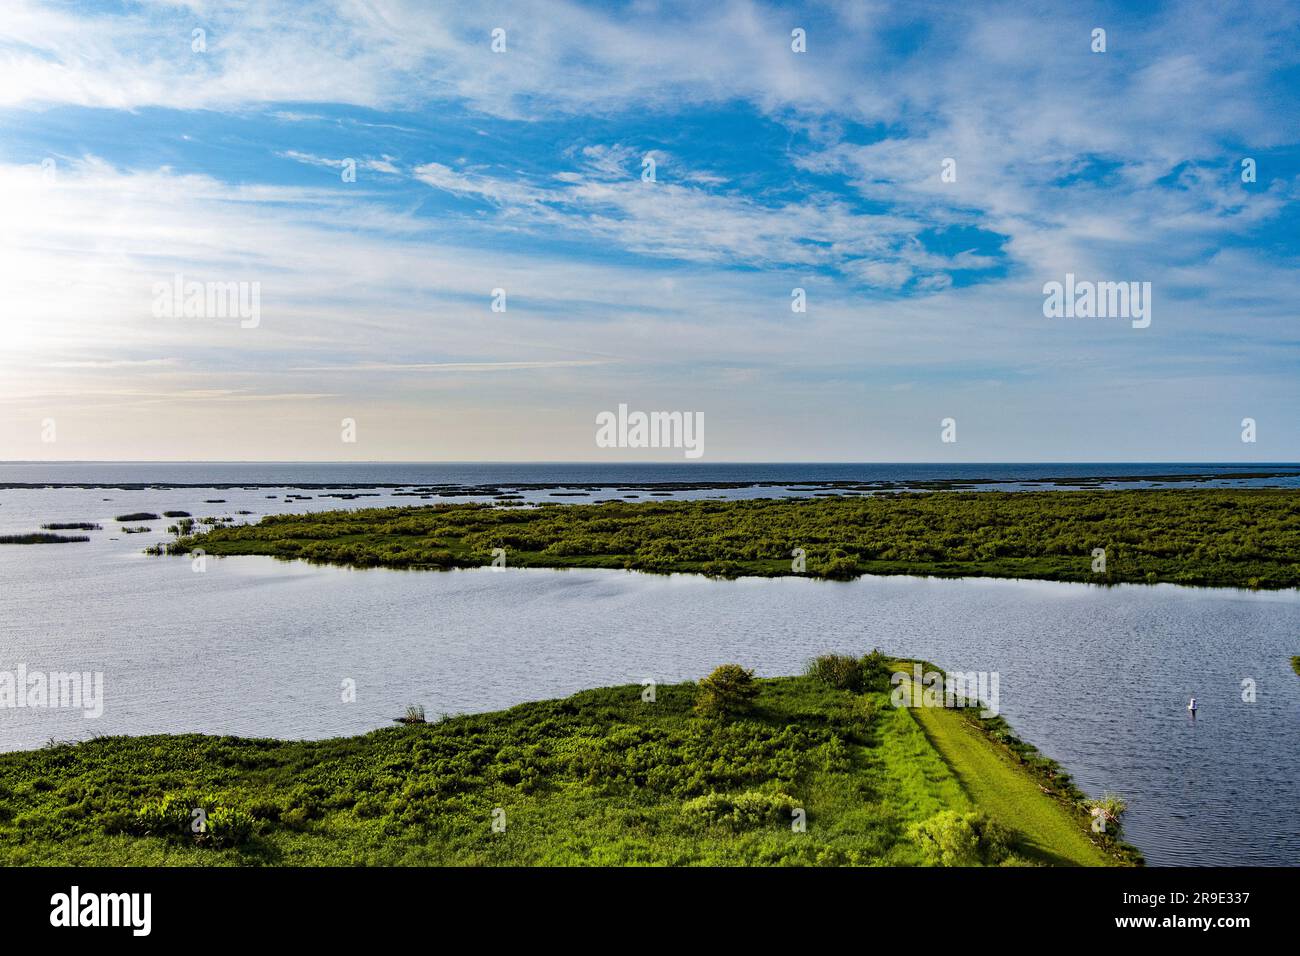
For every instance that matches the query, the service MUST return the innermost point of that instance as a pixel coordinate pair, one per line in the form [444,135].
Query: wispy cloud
[136,151]
[446,366]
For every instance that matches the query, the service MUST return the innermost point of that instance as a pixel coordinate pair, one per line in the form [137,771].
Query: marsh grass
[414,715]
[1221,537]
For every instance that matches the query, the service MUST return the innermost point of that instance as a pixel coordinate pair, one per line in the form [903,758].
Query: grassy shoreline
[1218,537]
[600,778]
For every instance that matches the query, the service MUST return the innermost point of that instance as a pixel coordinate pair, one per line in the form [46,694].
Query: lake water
[1097,678]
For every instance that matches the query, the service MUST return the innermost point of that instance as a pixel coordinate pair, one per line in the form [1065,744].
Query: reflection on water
[1098,678]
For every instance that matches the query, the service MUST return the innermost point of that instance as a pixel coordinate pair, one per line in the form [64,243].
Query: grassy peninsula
[1220,537]
[605,777]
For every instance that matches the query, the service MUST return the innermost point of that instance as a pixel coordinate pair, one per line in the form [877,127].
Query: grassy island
[1219,537]
[784,771]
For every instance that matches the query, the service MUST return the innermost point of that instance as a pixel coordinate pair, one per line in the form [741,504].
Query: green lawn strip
[1007,792]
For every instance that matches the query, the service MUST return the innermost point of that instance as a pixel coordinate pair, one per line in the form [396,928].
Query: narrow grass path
[1006,792]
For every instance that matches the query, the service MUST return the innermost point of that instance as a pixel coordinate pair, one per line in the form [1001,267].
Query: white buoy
[1191,705]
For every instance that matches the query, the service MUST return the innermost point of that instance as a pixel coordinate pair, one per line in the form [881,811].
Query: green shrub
[1110,807]
[950,838]
[841,568]
[746,811]
[174,817]
[865,709]
[168,817]
[876,671]
[729,690]
[226,826]
[837,670]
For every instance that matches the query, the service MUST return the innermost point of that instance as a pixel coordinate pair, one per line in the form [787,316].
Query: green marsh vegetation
[137,516]
[71,526]
[1217,537]
[793,771]
[41,538]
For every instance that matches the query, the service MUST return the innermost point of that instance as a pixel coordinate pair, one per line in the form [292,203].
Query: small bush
[728,690]
[226,826]
[950,838]
[866,709]
[876,671]
[1110,807]
[174,817]
[748,810]
[841,568]
[837,670]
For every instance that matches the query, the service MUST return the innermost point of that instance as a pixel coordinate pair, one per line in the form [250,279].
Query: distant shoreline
[835,485]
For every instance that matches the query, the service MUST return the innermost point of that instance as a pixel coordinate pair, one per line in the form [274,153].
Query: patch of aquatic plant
[176,514]
[140,530]
[414,715]
[137,516]
[41,538]
[169,548]
[71,526]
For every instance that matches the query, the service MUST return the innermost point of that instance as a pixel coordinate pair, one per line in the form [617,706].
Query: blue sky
[130,156]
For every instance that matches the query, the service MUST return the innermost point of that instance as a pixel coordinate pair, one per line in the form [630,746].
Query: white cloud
[372,310]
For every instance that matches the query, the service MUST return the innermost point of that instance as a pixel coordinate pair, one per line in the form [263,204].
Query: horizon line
[694,463]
